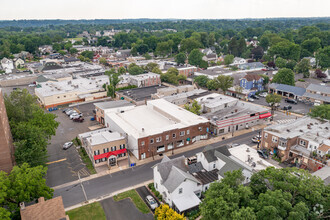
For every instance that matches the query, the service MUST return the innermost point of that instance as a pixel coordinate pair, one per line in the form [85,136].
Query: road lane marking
[57,161]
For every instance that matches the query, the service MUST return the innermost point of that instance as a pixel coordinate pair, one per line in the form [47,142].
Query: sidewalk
[195,145]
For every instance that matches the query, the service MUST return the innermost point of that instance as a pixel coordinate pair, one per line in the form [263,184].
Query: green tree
[135,70]
[224,82]
[57,47]
[280,62]
[73,51]
[31,127]
[229,59]
[62,52]
[195,57]
[291,64]
[68,46]
[189,44]
[323,57]
[103,61]
[156,70]
[201,80]
[311,45]
[286,50]
[303,67]
[194,107]
[266,79]
[273,99]
[284,76]
[22,184]
[163,49]
[121,70]
[180,58]
[321,111]
[88,54]
[212,84]
[150,66]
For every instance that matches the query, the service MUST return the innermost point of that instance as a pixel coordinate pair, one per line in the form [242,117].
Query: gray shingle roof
[176,177]
[287,88]
[195,167]
[164,167]
[230,164]
[317,97]
[319,88]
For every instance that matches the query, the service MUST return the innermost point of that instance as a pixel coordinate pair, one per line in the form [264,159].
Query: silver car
[67,145]
[151,202]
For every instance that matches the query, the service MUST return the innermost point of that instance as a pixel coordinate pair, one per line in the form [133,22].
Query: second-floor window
[182,133]
[274,139]
[105,150]
[159,139]
[167,137]
[302,143]
[151,141]
[113,148]
[266,135]
[180,190]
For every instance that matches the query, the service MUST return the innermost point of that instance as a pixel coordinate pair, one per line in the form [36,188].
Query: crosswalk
[285,121]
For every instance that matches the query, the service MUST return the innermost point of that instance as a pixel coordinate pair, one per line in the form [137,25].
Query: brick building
[7,160]
[104,147]
[304,142]
[157,127]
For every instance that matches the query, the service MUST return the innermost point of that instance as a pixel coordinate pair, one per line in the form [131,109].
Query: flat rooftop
[82,85]
[215,71]
[112,104]
[215,99]
[156,117]
[104,137]
[139,94]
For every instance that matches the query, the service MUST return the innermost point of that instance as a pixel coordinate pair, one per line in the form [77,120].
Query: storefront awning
[265,115]
[107,155]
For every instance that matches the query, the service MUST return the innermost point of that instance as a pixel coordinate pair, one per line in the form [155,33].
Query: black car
[287,107]
[292,101]
[262,154]
[254,97]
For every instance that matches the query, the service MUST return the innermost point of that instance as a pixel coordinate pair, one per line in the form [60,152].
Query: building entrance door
[112,161]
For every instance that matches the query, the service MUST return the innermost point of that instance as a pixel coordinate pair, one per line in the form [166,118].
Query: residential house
[19,63]
[145,80]
[312,60]
[317,94]
[46,49]
[252,82]
[7,65]
[287,90]
[51,209]
[157,127]
[251,66]
[104,147]
[212,57]
[304,142]
[238,61]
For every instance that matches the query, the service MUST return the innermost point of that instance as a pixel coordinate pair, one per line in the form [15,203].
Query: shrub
[301,80]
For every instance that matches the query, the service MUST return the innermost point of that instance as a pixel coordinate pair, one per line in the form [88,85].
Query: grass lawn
[137,200]
[86,160]
[87,212]
[76,39]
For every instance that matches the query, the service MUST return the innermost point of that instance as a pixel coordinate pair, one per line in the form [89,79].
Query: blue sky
[183,9]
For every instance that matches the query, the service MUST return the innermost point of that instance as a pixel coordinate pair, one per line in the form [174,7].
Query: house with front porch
[304,142]
[252,82]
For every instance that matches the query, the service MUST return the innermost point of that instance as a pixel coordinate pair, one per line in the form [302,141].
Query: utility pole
[82,187]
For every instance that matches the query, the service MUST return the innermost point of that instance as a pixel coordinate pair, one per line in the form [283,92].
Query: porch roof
[186,202]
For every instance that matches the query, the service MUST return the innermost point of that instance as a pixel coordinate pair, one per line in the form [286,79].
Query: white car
[71,112]
[32,85]
[264,94]
[76,115]
[67,145]
[256,139]
[250,99]
[151,202]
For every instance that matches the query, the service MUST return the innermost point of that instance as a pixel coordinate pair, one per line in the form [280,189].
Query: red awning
[107,155]
[265,115]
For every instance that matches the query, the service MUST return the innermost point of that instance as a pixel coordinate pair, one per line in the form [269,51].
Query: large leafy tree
[201,80]
[195,57]
[150,66]
[280,62]
[287,193]
[284,76]
[323,57]
[321,111]
[31,127]
[303,67]
[229,59]
[224,82]
[134,69]
[189,44]
[286,50]
[22,184]
[193,107]
[172,76]
[180,58]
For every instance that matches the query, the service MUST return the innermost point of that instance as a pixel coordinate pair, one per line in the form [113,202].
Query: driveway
[65,164]
[144,192]
[123,210]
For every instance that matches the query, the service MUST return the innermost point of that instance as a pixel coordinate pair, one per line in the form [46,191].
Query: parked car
[74,116]
[151,202]
[288,107]
[292,101]
[192,160]
[262,154]
[256,139]
[326,80]
[32,85]
[67,145]
[78,119]
[250,99]
[71,112]
[66,109]
[254,96]
[264,94]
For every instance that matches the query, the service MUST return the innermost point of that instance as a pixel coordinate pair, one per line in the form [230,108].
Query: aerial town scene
[165,110]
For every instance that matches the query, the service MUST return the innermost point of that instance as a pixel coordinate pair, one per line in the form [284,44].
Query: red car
[78,119]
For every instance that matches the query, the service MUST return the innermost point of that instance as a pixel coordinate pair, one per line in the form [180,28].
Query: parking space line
[57,161]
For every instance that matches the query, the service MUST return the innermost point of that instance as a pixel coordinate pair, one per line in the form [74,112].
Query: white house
[7,65]
[179,188]
[19,63]
[238,60]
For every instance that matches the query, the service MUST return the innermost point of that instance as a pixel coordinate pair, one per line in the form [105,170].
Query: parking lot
[65,164]
[298,108]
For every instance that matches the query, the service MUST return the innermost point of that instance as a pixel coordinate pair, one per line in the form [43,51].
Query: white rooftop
[156,117]
[243,152]
[144,76]
[104,137]
[186,202]
[82,85]
[215,99]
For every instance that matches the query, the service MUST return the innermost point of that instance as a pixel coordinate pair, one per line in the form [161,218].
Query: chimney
[22,205]
[41,199]
[142,129]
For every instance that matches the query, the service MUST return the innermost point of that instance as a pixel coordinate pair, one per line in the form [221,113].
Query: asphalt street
[104,185]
